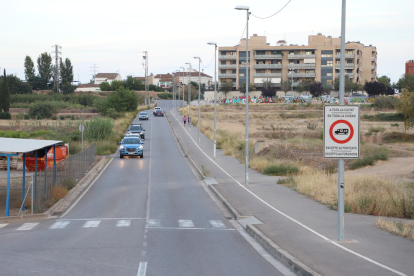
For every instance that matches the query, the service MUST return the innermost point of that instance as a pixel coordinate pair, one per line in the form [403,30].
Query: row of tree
[46,71]
[4,94]
[130,83]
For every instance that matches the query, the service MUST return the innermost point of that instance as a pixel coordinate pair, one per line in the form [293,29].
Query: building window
[349,52]
[223,71]
[326,55]
[223,63]
[329,63]
[309,53]
[329,74]
[241,74]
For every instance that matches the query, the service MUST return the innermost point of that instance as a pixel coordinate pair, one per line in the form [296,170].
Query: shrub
[26,116]
[105,148]
[280,170]
[376,129]
[58,192]
[385,102]
[372,155]
[165,95]
[122,100]
[398,137]
[42,110]
[384,117]
[69,183]
[54,117]
[98,129]
[62,117]
[74,148]
[5,115]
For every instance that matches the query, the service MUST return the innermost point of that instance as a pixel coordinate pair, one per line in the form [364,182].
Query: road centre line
[142,270]
[103,219]
[288,217]
[149,175]
[189,228]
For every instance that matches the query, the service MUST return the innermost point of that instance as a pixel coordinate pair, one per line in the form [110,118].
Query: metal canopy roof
[15,145]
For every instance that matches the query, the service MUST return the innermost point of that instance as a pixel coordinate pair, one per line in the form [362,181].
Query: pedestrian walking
[184,120]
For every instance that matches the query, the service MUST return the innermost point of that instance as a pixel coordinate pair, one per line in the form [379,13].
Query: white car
[143,116]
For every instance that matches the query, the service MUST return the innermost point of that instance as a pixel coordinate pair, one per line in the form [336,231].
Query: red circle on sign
[341,141]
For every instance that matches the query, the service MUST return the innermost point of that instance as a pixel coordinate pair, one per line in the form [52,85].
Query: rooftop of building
[110,76]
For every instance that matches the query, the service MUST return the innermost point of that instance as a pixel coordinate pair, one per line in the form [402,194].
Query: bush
[54,117]
[280,170]
[370,157]
[394,137]
[42,110]
[376,129]
[165,96]
[384,117]
[74,148]
[385,102]
[62,117]
[105,148]
[5,115]
[26,116]
[122,100]
[69,183]
[98,129]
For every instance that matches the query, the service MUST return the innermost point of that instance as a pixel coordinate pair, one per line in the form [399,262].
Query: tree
[316,89]
[406,106]
[375,88]
[4,94]
[285,85]
[44,67]
[115,85]
[406,82]
[267,83]
[16,86]
[68,88]
[105,86]
[123,100]
[242,88]
[29,69]
[385,80]
[327,88]
[349,84]
[66,71]
[306,84]
[226,87]
[300,88]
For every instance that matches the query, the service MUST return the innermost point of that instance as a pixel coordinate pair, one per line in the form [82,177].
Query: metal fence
[67,173]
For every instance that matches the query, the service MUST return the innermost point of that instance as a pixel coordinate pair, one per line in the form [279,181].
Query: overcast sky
[113,34]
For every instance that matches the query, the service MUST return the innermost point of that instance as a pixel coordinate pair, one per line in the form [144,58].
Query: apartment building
[409,67]
[318,61]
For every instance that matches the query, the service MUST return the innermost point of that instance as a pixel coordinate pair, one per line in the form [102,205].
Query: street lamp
[189,95]
[177,90]
[292,71]
[199,91]
[183,88]
[215,95]
[246,8]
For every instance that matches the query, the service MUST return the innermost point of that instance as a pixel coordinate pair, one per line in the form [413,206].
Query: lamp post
[189,95]
[199,92]
[215,95]
[183,88]
[246,8]
[292,71]
[177,90]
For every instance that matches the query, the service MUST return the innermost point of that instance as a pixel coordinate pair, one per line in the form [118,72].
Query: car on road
[159,112]
[137,129]
[155,109]
[143,116]
[131,146]
[134,135]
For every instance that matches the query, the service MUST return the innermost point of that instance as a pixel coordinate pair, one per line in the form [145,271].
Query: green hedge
[384,117]
[5,115]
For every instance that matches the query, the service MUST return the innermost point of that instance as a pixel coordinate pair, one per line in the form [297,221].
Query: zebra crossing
[121,223]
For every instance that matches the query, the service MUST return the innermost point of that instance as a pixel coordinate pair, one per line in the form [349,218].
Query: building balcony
[373,76]
[302,75]
[293,56]
[228,66]
[346,56]
[372,67]
[268,66]
[347,65]
[268,75]
[268,56]
[227,75]
[302,66]
[350,75]
[228,57]
[373,58]
[234,84]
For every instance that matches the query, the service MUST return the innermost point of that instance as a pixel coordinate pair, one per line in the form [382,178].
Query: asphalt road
[147,216]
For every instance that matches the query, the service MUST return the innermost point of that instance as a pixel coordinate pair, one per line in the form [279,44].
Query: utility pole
[94,70]
[145,57]
[189,94]
[57,47]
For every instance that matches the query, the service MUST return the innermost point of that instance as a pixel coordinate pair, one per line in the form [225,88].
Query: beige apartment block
[317,61]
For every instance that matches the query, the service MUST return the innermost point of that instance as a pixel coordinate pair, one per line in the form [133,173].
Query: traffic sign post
[341,132]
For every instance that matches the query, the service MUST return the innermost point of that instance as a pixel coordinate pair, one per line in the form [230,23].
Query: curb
[278,253]
[284,257]
[64,203]
[25,217]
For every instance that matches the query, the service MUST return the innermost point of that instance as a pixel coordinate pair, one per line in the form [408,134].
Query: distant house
[107,77]
[87,88]
[193,76]
[163,80]
[150,79]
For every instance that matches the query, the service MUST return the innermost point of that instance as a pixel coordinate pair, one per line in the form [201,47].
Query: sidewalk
[300,226]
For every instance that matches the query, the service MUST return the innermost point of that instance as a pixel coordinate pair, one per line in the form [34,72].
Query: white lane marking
[192,228]
[103,219]
[59,225]
[290,218]
[153,223]
[144,253]
[123,223]
[91,223]
[217,224]
[27,226]
[149,175]
[3,225]
[142,270]
[76,202]
[144,244]
[186,223]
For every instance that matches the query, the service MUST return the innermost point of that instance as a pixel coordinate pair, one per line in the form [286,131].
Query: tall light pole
[183,88]
[246,8]
[189,95]
[215,94]
[173,83]
[178,90]
[292,71]
[199,92]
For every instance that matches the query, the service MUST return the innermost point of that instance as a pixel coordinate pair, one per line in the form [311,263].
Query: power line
[272,14]
[57,47]
[94,69]
[209,64]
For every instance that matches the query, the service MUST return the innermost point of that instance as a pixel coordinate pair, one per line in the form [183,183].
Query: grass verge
[403,229]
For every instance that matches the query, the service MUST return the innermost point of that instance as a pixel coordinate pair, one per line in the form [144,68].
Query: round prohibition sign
[350,128]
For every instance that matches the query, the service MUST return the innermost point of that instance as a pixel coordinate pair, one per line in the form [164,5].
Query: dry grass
[58,192]
[404,229]
[364,194]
